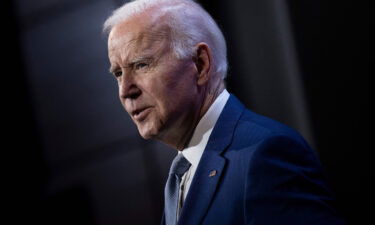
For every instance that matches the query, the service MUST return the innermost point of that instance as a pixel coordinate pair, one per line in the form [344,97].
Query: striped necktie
[179,166]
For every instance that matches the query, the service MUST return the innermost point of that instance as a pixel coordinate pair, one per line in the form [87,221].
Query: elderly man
[233,166]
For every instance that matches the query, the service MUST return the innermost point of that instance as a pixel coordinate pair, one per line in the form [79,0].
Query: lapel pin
[212,173]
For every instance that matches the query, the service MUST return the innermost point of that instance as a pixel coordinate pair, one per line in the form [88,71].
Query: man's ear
[203,63]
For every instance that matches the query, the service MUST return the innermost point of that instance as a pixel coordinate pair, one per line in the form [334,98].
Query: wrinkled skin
[164,96]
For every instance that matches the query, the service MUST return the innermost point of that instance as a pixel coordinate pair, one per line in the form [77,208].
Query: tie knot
[179,165]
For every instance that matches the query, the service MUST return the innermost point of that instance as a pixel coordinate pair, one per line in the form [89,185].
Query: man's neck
[208,100]
[179,142]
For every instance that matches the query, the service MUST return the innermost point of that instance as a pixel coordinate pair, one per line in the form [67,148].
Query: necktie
[179,166]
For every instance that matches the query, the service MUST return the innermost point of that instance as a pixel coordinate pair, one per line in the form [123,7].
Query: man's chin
[146,137]
[147,133]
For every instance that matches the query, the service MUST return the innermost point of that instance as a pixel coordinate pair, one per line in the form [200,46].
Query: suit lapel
[211,165]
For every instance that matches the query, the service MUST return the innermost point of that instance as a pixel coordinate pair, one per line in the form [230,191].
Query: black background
[333,42]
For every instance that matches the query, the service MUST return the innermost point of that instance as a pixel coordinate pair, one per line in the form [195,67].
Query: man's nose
[128,87]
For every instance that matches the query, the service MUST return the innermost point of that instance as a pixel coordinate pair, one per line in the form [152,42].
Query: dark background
[72,156]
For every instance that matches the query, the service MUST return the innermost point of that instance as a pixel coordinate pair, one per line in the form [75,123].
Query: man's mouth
[141,114]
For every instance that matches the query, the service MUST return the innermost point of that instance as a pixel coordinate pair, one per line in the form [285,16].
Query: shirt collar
[202,132]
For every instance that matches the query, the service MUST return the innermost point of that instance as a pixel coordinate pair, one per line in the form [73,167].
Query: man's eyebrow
[112,69]
[142,58]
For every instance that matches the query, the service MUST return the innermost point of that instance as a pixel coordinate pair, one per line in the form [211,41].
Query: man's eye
[117,74]
[140,65]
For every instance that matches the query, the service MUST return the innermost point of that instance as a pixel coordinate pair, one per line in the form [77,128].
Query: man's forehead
[136,43]
[123,34]
[132,37]
[143,25]
[125,40]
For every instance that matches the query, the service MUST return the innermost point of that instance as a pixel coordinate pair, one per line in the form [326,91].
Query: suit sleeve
[285,185]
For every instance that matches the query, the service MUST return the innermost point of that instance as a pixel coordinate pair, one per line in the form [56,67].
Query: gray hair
[189,24]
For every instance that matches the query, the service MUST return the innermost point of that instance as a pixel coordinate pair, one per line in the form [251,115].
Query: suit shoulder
[253,129]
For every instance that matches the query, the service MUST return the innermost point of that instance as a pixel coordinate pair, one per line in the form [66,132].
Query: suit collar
[211,165]
[224,129]
[194,151]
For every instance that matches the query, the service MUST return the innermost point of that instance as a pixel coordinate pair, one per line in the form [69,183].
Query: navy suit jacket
[265,174]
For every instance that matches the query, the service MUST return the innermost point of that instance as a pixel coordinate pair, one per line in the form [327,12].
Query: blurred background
[72,156]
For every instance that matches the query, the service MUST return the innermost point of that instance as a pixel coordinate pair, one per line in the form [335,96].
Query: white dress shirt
[193,152]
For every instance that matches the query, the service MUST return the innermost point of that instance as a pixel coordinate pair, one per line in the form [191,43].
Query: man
[233,166]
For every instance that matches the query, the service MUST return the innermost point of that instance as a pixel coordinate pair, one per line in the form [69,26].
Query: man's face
[157,90]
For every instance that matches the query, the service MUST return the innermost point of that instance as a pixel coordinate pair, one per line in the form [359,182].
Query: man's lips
[141,114]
